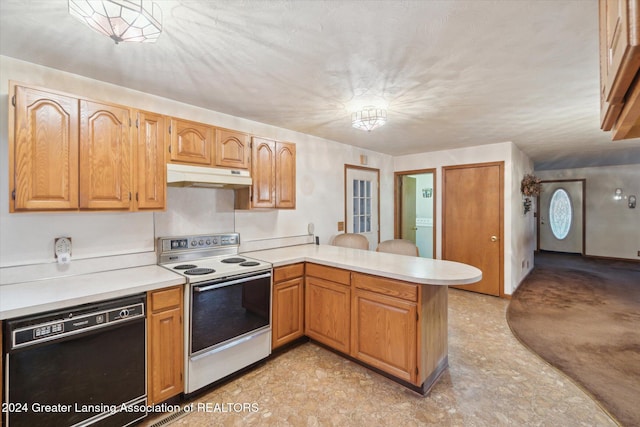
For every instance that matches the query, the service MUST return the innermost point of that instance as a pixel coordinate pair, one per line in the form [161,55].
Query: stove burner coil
[249,263]
[233,260]
[184,267]
[199,271]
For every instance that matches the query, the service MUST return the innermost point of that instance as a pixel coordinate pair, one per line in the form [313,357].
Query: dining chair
[351,240]
[399,246]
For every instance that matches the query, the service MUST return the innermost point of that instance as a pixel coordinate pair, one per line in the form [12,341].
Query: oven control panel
[185,243]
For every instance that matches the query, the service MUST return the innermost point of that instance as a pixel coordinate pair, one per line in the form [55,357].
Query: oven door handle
[232,282]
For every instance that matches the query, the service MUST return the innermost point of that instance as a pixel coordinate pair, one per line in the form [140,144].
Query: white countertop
[27,298]
[408,268]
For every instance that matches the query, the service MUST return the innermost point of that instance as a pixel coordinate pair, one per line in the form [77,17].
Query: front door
[561,216]
[472,222]
[362,210]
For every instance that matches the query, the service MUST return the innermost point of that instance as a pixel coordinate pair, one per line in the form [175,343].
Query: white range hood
[200,176]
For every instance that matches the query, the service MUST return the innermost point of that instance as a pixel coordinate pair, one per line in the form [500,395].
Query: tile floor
[492,380]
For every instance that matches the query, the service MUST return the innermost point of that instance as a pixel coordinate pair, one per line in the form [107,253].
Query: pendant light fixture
[369,118]
[121,20]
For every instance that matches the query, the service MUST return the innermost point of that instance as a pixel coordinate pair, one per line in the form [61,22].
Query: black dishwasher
[79,366]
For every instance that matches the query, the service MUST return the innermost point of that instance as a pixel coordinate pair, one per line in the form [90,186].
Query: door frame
[397,202]
[501,165]
[584,211]
[344,192]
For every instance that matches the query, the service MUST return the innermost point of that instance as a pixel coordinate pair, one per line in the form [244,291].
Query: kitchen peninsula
[386,311]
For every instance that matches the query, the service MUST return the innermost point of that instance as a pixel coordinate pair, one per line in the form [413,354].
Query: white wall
[612,229]
[519,237]
[27,238]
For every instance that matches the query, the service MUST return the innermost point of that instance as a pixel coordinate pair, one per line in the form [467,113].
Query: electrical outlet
[62,245]
[341,226]
[523,261]
[638,253]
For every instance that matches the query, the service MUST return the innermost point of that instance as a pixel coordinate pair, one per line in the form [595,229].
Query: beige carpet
[582,315]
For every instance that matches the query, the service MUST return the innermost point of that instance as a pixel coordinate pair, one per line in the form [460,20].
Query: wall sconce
[632,202]
[617,195]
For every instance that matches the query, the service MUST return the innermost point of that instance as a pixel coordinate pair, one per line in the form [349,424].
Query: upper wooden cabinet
[285,175]
[619,66]
[233,149]
[149,140]
[68,153]
[43,150]
[263,173]
[273,171]
[191,142]
[105,156]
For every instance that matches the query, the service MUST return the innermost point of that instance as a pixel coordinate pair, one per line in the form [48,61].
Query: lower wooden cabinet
[288,304]
[328,307]
[384,333]
[397,327]
[165,344]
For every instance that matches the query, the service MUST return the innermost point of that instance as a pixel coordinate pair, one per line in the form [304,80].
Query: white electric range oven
[227,305]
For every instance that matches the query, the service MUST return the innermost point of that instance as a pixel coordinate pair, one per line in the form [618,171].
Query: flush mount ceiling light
[369,118]
[121,20]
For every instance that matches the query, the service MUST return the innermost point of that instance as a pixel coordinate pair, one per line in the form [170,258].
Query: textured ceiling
[451,73]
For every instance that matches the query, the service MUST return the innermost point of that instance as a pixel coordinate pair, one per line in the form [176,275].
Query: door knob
[414,228]
[494,238]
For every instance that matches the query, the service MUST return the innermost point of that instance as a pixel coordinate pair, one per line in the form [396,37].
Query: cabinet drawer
[329,273]
[287,272]
[390,287]
[165,298]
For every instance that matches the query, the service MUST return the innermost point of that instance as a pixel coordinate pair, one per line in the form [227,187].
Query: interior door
[362,211]
[473,222]
[561,216]
[408,227]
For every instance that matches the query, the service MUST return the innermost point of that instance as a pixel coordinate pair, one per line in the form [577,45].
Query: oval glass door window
[560,213]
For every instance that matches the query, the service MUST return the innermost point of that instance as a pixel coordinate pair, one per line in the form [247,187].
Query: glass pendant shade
[121,20]
[369,118]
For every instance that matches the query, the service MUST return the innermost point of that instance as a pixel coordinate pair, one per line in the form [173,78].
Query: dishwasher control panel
[35,330]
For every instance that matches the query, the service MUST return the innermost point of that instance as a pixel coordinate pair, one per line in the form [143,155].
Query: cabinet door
[165,354]
[619,54]
[285,175]
[263,173]
[165,342]
[327,313]
[385,333]
[191,143]
[233,149]
[44,151]
[288,311]
[105,156]
[151,185]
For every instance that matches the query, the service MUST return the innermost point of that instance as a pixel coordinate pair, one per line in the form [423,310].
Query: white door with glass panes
[362,209]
